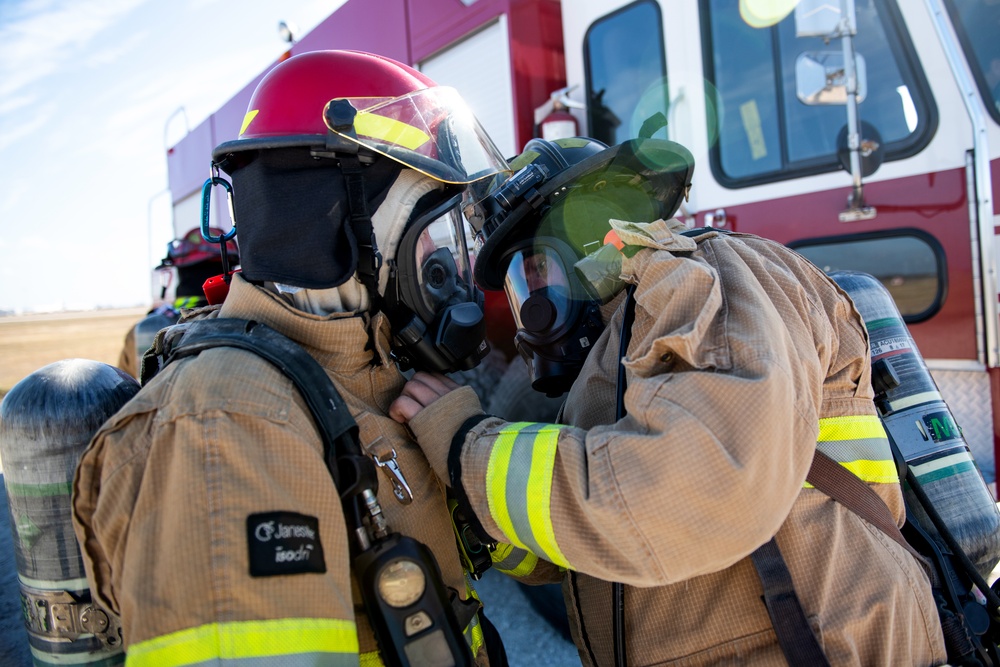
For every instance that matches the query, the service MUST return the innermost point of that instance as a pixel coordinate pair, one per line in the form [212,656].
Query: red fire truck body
[881,159]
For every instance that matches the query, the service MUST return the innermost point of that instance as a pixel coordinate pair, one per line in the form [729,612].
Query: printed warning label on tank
[887,345]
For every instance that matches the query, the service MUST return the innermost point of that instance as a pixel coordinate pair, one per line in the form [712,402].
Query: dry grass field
[28,342]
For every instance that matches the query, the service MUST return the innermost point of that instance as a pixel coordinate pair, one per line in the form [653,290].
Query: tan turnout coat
[163,494]
[738,349]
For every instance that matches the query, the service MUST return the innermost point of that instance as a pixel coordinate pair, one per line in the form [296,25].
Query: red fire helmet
[394,110]
[192,248]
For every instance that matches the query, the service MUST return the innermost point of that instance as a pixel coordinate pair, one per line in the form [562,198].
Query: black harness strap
[795,636]
[352,471]
[850,491]
[617,588]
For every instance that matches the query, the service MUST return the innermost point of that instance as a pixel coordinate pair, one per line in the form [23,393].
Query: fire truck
[862,133]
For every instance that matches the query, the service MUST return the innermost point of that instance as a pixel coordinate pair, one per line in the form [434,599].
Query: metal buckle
[60,616]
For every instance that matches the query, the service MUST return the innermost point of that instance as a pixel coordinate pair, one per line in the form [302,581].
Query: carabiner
[206,207]
[400,488]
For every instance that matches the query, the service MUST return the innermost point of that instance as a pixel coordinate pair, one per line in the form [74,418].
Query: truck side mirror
[820,78]
[870,150]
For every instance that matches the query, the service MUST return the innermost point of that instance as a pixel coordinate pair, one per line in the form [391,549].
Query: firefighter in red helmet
[716,384]
[191,260]
[206,512]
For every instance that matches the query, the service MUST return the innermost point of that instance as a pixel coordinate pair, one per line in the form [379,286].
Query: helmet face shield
[432,131]
[575,191]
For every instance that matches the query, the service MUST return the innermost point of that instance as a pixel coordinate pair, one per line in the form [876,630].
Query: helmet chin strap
[369,258]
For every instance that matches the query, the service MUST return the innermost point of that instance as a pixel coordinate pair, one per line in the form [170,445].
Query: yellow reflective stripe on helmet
[513,561]
[247,120]
[295,640]
[519,487]
[859,443]
[389,130]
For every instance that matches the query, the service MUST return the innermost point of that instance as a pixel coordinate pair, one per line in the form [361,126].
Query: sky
[92,92]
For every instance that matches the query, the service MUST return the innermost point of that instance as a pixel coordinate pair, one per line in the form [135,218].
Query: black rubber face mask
[557,319]
[294,223]
[435,309]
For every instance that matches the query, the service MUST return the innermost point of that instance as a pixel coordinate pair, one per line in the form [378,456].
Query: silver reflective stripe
[859,443]
[519,487]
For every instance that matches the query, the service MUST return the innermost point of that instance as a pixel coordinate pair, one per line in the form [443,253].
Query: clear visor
[538,289]
[432,131]
[444,274]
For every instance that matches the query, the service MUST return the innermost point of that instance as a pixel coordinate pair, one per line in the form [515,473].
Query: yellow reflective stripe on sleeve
[389,130]
[244,641]
[474,633]
[496,480]
[513,561]
[519,487]
[859,443]
[371,659]
[854,427]
[876,472]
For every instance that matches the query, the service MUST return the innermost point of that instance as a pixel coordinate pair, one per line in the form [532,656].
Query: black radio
[476,555]
[413,616]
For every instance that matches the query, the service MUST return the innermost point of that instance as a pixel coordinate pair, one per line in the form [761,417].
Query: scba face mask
[557,319]
[434,307]
[542,235]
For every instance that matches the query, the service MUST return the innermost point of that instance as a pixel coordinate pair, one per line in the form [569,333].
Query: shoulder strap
[795,636]
[847,489]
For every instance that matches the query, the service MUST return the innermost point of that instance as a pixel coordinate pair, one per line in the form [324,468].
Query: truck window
[764,133]
[978,27]
[909,262]
[626,74]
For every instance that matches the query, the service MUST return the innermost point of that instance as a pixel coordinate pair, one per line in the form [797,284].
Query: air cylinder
[46,421]
[146,330]
[923,428]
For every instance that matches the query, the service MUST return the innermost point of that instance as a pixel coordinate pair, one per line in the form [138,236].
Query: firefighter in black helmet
[705,371]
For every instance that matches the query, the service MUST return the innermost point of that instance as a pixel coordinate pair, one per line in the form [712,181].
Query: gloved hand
[434,422]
